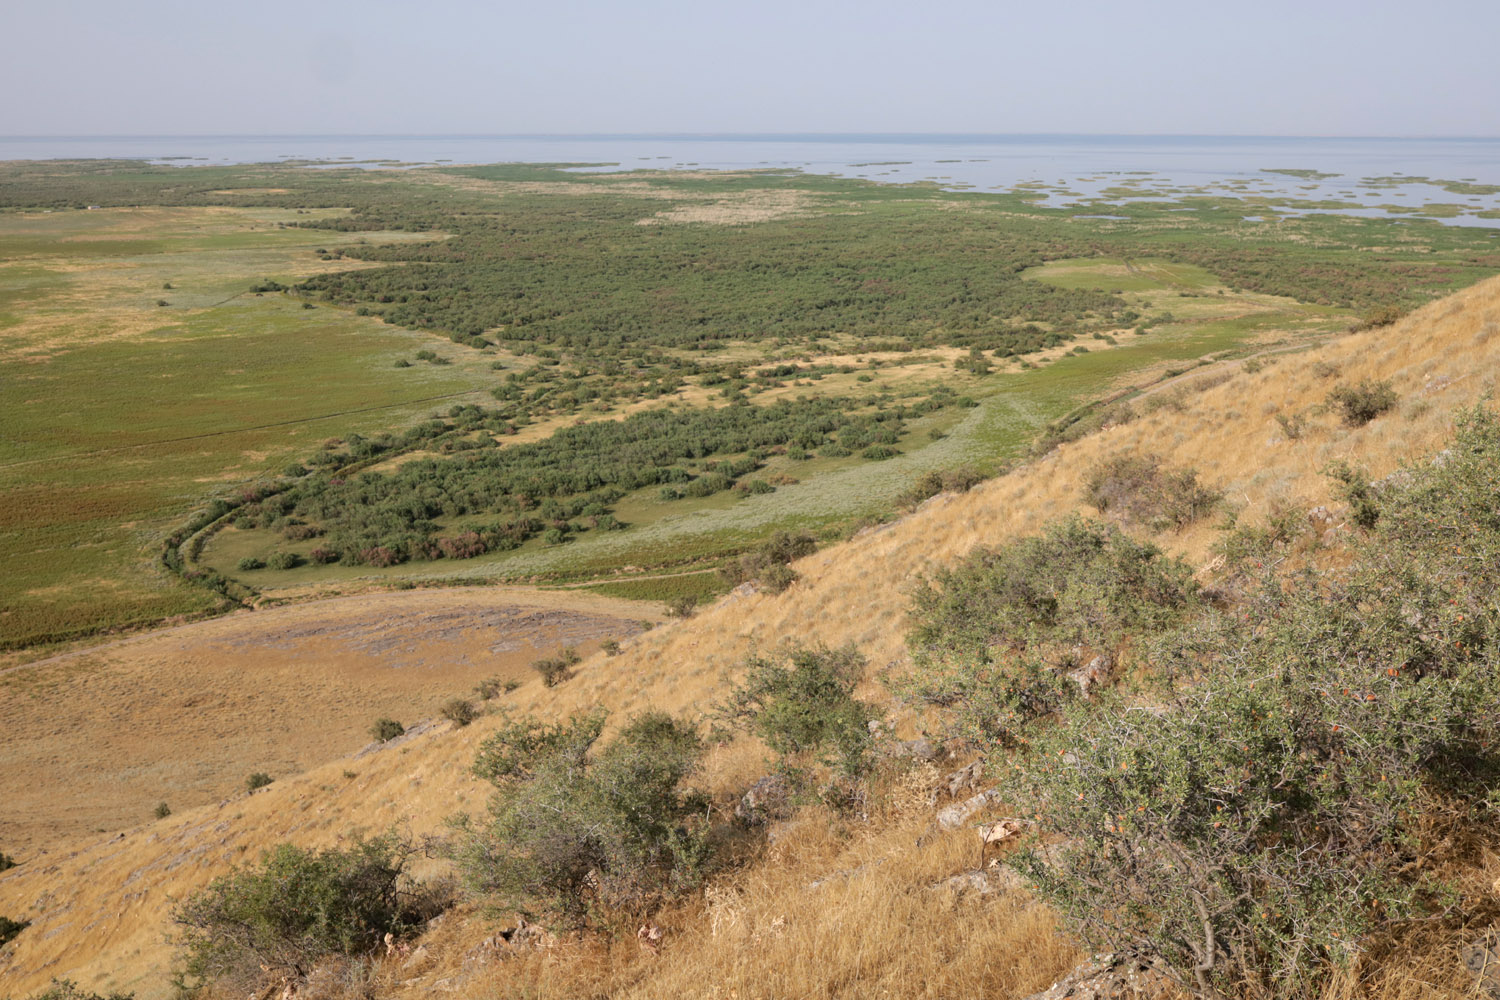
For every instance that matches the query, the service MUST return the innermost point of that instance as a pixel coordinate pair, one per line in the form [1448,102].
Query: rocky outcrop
[766,800]
[1110,976]
[956,815]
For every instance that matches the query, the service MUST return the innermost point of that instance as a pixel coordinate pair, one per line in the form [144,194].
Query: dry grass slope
[99,907]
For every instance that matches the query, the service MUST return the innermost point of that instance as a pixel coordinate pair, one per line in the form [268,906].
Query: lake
[1360,176]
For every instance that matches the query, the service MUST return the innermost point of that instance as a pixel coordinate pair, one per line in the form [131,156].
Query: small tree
[384,730]
[553,670]
[259,779]
[162,810]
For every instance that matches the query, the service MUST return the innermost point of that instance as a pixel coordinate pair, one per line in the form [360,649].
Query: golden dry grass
[99,906]
[92,740]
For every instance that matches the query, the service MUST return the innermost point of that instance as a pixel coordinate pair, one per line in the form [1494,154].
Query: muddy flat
[94,739]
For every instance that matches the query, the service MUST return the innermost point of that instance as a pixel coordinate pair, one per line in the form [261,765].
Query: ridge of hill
[99,907]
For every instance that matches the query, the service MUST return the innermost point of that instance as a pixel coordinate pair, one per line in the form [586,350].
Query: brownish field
[92,740]
[100,905]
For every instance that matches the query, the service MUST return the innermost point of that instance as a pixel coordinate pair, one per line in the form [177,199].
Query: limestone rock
[1482,958]
[956,815]
[763,801]
[1107,977]
[965,779]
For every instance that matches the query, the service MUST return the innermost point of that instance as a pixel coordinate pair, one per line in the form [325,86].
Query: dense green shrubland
[554,488]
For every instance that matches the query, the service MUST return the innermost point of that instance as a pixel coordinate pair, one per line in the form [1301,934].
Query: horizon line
[731,136]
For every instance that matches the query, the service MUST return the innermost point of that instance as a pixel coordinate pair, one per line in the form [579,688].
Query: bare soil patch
[94,739]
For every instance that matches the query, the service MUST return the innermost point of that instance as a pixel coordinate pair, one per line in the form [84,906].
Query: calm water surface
[1368,175]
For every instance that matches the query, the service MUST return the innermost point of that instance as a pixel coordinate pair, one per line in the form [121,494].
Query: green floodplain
[225,385]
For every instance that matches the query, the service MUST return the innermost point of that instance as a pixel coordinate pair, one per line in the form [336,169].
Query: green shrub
[296,906]
[683,606]
[249,563]
[767,563]
[553,670]
[1276,805]
[930,484]
[488,688]
[1241,545]
[259,779]
[577,831]
[66,989]
[802,706]
[1364,402]
[777,579]
[162,810]
[879,452]
[1080,583]
[994,638]
[611,647]
[9,929]
[1139,489]
[284,560]
[460,711]
[6,862]
[1379,316]
[384,730]
[1353,485]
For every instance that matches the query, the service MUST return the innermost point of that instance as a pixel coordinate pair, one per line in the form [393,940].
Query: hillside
[99,906]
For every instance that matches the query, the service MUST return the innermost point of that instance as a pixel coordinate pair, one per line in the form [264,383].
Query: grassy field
[143,378]
[122,415]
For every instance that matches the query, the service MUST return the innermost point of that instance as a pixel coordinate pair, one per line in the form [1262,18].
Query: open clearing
[93,739]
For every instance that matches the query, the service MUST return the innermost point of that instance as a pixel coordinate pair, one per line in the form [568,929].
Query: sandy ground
[93,739]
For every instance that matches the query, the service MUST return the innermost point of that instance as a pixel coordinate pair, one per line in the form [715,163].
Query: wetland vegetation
[521,372]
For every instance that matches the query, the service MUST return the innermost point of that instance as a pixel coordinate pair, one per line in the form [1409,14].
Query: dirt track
[93,739]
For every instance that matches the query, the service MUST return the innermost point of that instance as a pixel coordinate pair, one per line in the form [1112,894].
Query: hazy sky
[1281,67]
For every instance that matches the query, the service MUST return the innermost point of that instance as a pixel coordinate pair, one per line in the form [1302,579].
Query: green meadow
[121,415]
